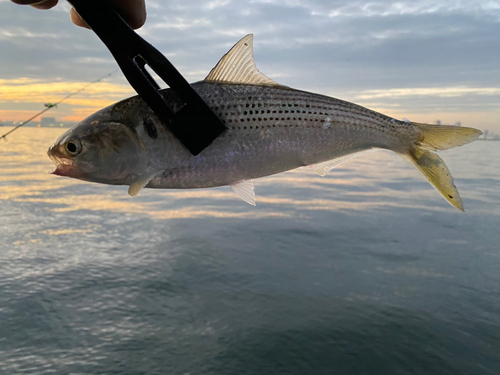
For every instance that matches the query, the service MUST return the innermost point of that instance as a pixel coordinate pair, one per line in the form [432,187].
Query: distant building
[48,121]
[438,122]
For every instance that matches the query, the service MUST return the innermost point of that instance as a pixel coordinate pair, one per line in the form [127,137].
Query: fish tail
[437,137]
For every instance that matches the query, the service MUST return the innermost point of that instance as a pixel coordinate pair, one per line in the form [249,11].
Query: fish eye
[73,147]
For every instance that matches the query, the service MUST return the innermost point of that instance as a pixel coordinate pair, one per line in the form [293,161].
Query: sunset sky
[424,60]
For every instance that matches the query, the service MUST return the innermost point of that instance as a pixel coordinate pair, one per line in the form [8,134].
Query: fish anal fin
[141,181]
[245,191]
[238,66]
[324,167]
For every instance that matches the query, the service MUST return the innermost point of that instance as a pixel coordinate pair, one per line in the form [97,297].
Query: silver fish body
[270,129]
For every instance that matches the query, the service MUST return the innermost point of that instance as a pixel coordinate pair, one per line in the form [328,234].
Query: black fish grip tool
[195,124]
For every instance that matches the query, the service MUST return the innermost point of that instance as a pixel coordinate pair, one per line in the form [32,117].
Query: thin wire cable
[50,105]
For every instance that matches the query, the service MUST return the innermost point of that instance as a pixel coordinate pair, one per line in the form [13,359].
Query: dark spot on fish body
[150,129]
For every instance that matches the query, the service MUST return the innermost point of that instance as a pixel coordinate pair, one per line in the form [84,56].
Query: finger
[132,11]
[46,4]
[24,2]
[40,4]
[77,19]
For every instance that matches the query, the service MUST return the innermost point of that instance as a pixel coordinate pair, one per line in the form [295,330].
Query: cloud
[21,93]
[444,54]
[217,4]
[20,33]
[442,92]
[39,91]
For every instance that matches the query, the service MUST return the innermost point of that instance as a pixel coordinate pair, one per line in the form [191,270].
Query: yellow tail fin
[437,137]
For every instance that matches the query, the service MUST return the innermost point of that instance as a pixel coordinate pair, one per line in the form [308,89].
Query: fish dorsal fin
[245,191]
[238,66]
[323,168]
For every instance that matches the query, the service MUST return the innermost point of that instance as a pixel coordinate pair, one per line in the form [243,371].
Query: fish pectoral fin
[141,181]
[323,168]
[245,190]
[238,66]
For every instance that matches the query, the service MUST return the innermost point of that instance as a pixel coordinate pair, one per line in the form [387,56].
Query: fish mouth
[64,166]
[66,170]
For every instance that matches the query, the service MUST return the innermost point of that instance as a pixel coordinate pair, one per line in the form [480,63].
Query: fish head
[102,148]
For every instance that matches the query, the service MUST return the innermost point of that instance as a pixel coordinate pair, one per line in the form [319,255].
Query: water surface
[365,271]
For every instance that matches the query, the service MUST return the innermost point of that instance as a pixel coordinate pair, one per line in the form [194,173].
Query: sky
[425,60]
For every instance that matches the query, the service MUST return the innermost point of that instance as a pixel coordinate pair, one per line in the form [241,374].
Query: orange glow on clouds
[13,115]
[37,92]
[26,90]
[27,96]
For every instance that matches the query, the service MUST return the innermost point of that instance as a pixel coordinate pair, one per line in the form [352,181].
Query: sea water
[365,271]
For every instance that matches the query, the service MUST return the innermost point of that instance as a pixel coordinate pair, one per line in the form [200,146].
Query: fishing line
[52,105]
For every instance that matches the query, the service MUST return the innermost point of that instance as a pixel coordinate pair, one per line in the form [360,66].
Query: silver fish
[271,128]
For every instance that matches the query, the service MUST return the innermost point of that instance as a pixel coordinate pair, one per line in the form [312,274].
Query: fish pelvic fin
[438,137]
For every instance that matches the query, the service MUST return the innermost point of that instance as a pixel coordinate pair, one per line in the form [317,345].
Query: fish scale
[261,141]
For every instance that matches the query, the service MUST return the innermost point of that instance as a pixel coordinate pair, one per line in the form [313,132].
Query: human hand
[132,11]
